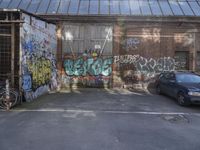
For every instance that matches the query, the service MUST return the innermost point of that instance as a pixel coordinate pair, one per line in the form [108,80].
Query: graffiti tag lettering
[130,43]
[41,71]
[81,67]
[148,67]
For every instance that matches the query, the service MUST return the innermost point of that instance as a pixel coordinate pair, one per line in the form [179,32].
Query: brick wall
[143,50]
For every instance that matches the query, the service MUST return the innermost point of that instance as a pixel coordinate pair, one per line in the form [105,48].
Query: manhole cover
[176,118]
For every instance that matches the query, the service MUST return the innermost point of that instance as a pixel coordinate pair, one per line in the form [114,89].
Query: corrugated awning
[107,7]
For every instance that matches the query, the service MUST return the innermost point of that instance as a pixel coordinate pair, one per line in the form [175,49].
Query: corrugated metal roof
[107,7]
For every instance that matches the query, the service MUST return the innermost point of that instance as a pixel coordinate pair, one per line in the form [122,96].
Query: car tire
[182,100]
[158,90]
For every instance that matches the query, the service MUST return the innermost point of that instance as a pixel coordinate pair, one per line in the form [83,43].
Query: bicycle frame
[6,101]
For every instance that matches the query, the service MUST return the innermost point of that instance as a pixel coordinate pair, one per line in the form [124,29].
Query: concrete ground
[100,119]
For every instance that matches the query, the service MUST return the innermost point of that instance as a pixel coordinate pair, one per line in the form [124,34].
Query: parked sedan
[184,86]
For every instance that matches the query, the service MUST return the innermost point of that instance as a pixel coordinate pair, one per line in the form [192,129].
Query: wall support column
[12,54]
[194,54]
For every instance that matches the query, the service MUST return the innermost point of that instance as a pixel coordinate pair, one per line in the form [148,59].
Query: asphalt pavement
[100,119]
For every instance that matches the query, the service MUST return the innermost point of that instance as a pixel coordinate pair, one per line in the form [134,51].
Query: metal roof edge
[28,13]
[97,18]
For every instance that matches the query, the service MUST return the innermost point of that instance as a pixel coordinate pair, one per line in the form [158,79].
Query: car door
[163,82]
[170,85]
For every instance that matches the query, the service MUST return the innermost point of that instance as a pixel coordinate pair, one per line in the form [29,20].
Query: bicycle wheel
[8,103]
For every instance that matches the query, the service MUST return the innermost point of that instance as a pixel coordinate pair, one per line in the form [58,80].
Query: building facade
[113,43]
[27,53]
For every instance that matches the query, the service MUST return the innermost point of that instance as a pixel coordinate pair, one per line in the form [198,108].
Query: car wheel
[158,90]
[182,100]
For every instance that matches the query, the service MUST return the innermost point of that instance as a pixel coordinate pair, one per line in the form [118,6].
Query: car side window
[169,76]
[172,76]
[163,77]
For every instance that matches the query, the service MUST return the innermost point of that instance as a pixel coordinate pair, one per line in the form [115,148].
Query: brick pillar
[117,35]
[59,51]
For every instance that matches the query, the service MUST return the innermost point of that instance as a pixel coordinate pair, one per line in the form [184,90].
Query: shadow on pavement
[106,100]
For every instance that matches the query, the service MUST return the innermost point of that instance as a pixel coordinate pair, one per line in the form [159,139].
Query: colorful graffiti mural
[132,68]
[38,43]
[93,71]
[41,71]
[81,67]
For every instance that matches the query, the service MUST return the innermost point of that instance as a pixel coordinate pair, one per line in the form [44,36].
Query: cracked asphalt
[100,119]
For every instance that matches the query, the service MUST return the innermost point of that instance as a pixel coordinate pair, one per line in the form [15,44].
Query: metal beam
[102,18]
[12,54]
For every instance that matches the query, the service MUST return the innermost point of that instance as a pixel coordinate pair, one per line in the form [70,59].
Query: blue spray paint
[90,66]
[27,82]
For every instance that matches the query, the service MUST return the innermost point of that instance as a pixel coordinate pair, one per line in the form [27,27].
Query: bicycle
[8,97]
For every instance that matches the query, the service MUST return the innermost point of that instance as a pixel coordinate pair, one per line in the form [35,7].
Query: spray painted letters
[41,71]
[81,67]
[38,58]
[149,67]
[130,43]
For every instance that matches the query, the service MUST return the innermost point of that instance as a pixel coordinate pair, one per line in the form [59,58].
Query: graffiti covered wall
[87,55]
[144,50]
[88,71]
[38,62]
[138,54]
[135,68]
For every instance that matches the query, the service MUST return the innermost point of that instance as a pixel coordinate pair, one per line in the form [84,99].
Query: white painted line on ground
[101,111]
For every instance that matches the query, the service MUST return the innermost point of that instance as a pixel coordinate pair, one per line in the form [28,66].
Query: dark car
[2,84]
[184,86]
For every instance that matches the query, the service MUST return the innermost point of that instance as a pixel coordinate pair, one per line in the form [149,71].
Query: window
[172,76]
[198,62]
[78,38]
[182,60]
[188,78]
